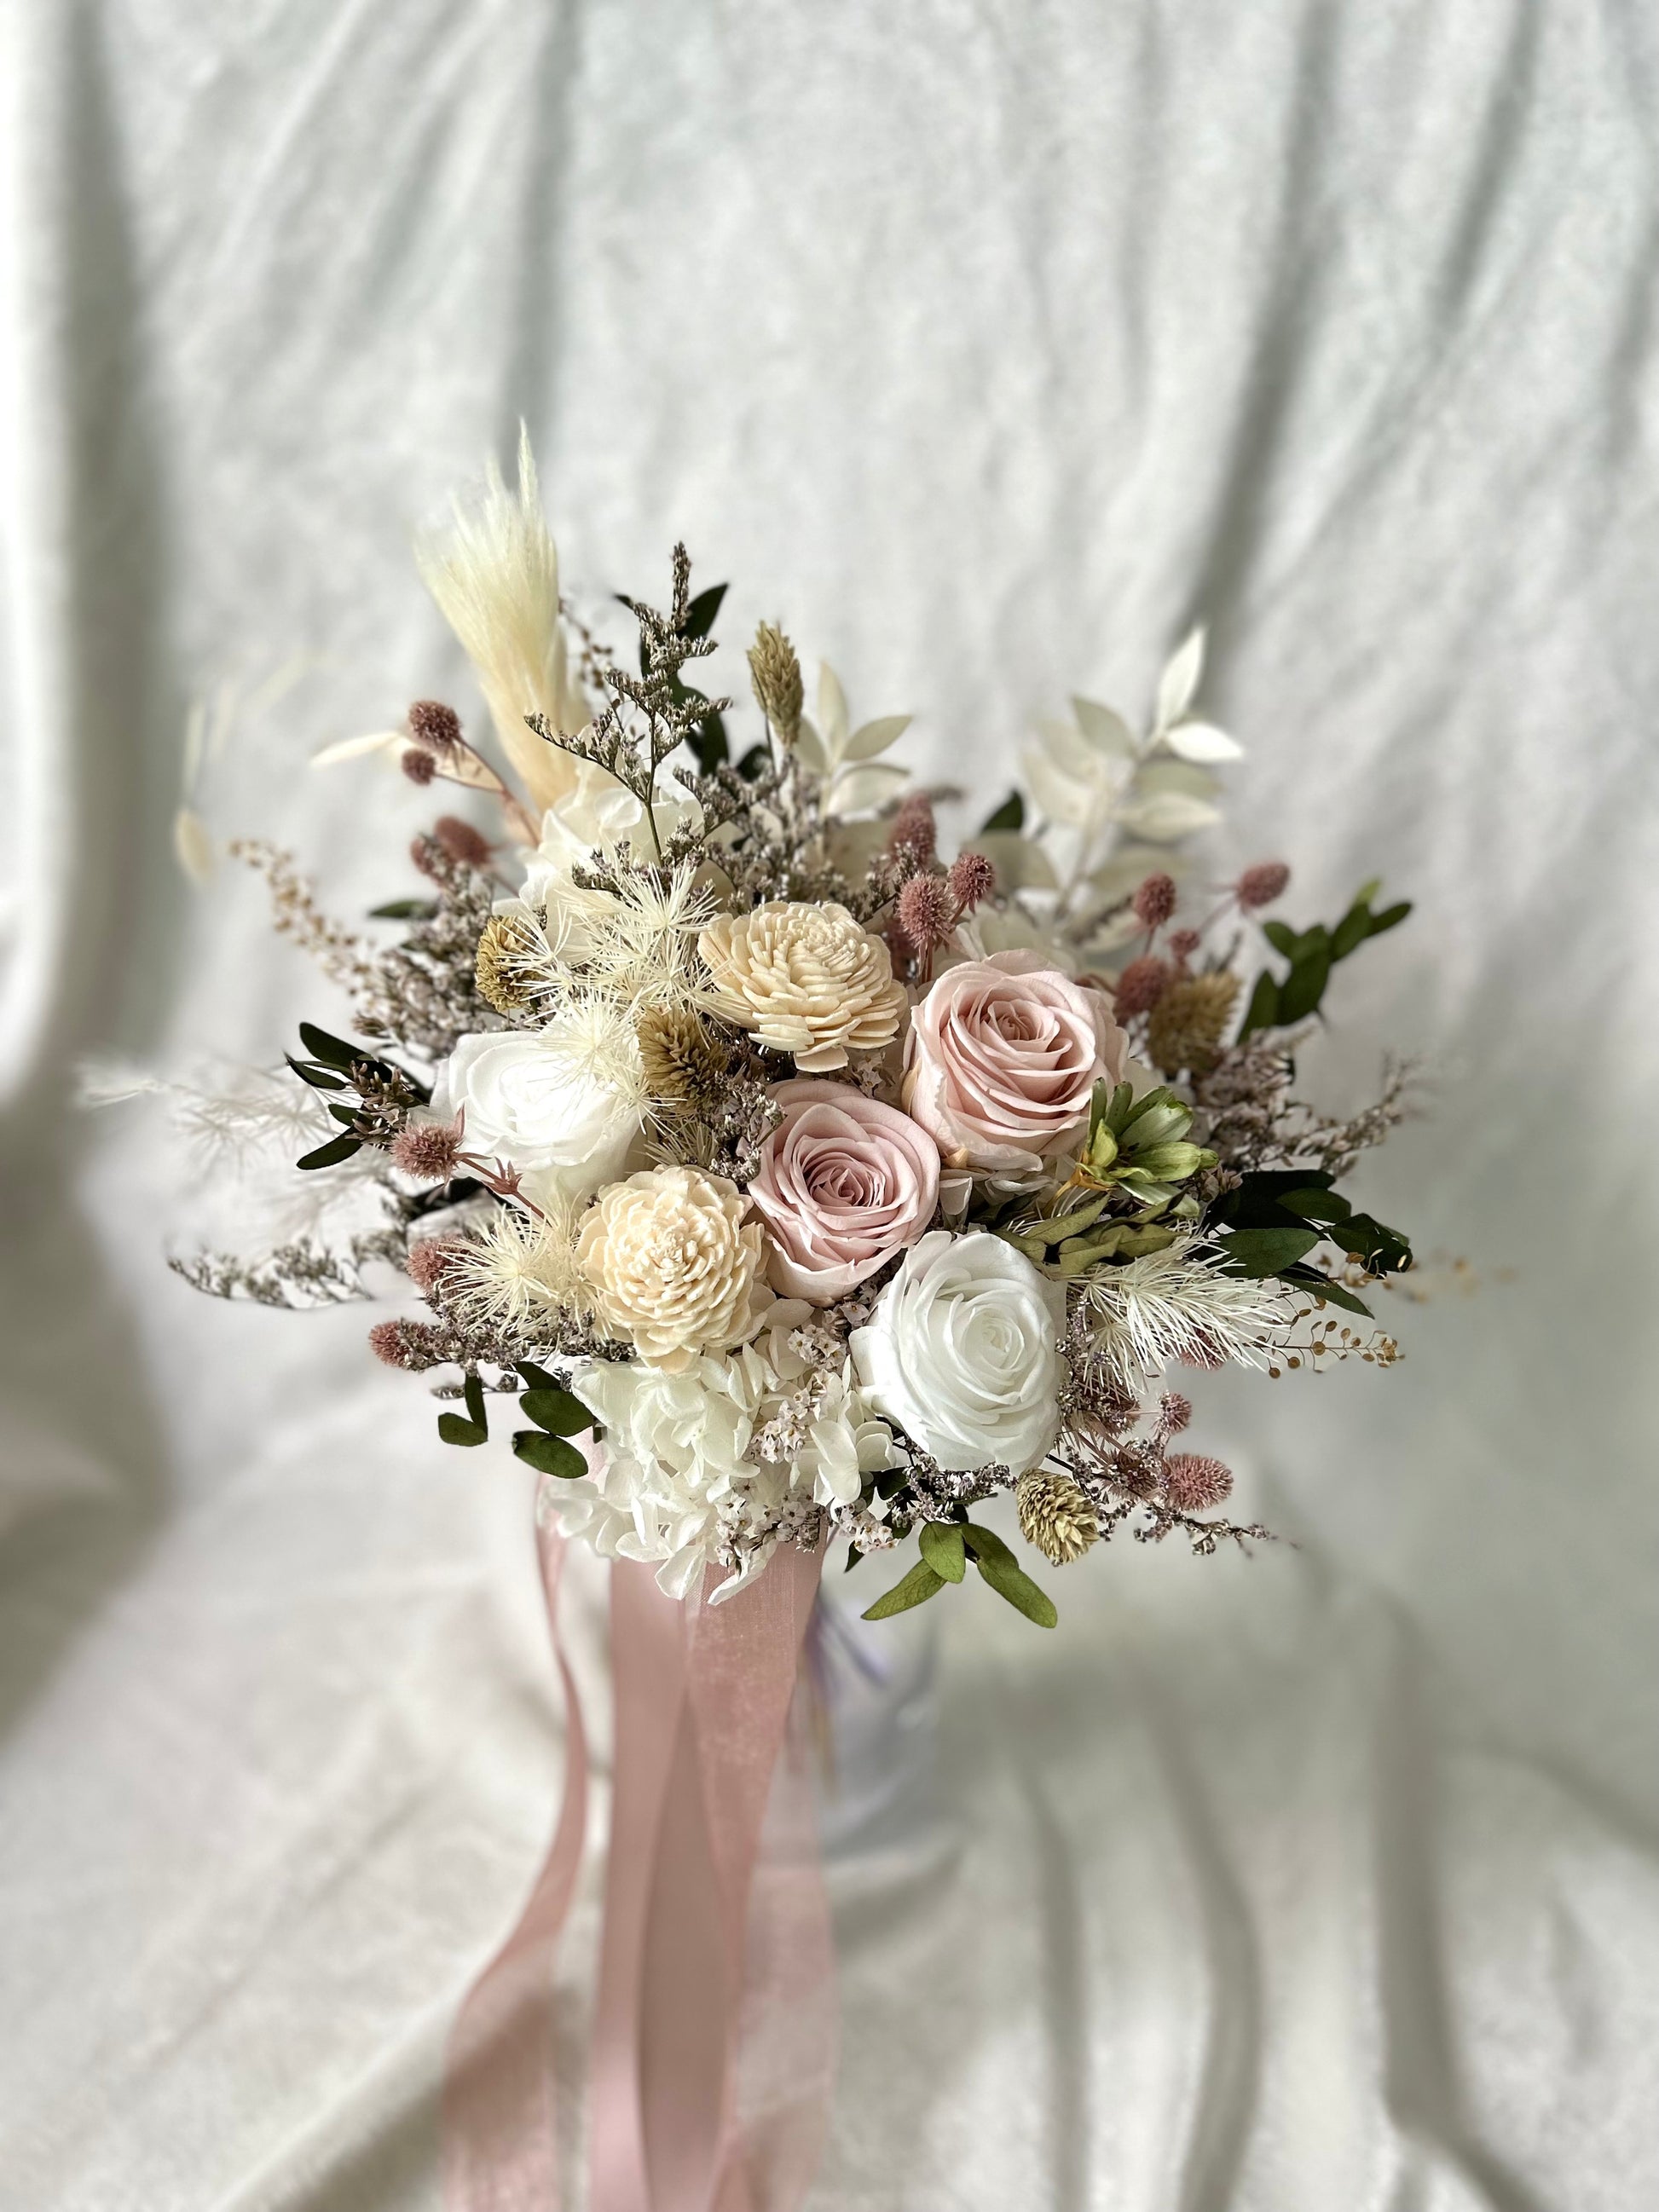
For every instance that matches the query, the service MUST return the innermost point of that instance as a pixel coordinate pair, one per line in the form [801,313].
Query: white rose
[962,1351]
[531,1098]
[595,815]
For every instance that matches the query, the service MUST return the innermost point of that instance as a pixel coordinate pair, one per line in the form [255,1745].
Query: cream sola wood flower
[805,979]
[676,1266]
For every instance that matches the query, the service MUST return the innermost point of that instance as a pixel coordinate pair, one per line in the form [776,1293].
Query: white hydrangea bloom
[674,1477]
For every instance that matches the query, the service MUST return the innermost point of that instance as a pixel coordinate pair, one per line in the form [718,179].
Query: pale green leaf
[1202,741]
[1168,815]
[1107,731]
[832,711]
[873,738]
[872,785]
[1178,685]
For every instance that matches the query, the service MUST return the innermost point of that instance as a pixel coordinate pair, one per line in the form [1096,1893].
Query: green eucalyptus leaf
[332,1153]
[454,1430]
[985,1544]
[556,1410]
[1316,1205]
[942,1547]
[1262,1012]
[1267,1251]
[709,744]
[1011,815]
[1353,930]
[1281,937]
[754,761]
[998,1567]
[918,1586]
[1300,993]
[549,1454]
[317,1077]
[1390,918]
[700,615]
[538,1378]
[472,1391]
[332,1051]
[1320,1286]
[1381,1250]
[404,910]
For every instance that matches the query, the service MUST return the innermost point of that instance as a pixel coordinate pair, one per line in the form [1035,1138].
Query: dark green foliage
[1011,815]
[330,1154]
[708,740]
[556,1411]
[1277,1216]
[549,1454]
[1278,1002]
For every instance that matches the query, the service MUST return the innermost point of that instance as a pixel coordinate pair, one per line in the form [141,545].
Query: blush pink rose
[1003,1055]
[843,1184]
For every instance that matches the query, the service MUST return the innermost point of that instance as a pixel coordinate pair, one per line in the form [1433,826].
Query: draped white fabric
[987,346]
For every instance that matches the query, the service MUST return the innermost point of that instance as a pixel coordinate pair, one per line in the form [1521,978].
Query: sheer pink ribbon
[714,2042]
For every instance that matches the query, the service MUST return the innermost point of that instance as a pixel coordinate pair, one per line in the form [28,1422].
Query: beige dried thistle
[685,1064]
[1187,1025]
[504,945]
[775,674]
[1056,1515]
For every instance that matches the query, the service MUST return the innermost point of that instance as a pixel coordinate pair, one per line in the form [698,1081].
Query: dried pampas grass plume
[494,575]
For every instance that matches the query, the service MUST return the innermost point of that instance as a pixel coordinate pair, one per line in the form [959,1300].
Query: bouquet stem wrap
[714,2040]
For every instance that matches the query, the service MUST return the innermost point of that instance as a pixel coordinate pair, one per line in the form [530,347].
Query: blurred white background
[987,346]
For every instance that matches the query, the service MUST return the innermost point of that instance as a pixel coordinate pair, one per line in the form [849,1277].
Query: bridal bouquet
[768,1178]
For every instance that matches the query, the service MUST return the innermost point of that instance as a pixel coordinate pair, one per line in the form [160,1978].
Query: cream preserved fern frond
[635,943]
[1174,1305]
[494,575]
[514,1270]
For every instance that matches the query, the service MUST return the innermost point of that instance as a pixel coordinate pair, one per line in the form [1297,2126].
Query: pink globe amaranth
[1002,1058]
[844,1183]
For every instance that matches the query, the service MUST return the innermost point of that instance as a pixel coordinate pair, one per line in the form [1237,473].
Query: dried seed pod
[775,674]
[504,944]
[1188,1021]
[1056,1515]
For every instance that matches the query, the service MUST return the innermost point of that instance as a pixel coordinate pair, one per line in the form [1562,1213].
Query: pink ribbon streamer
[501,2147]
[713,2041]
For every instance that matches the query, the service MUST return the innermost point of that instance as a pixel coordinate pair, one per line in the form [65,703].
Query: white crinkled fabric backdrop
[987,346]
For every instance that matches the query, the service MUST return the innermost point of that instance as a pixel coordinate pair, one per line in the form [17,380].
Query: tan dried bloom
[674,1265]
[685,1065]
[806,980]
[1189,1021]
[775,674]
[1056,1515]
[505,943]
